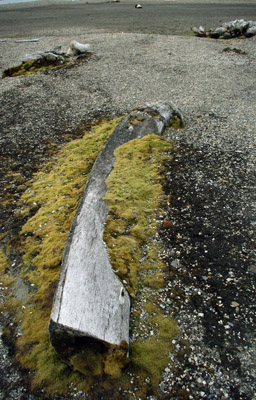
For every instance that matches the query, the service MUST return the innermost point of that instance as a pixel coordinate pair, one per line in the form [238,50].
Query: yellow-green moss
[6,281]
[56,192]
[26,68]
[116,359]
[6,278]
[33,66]
[134,195]
[88,362]
[151,355]
[176,122]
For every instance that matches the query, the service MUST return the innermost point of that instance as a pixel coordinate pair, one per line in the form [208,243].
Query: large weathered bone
[76,48]
[90,300]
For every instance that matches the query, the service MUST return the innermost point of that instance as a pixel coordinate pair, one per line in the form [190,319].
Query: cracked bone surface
[90,301]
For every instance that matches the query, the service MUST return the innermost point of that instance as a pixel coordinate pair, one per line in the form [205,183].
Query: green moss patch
[48,206]
[151,355]
[134,196]
[27,68]
[33,66]
[6,278]
[55,192]
[176,122]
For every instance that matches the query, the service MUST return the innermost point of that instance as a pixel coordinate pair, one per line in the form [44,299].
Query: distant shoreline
[63,17]
[36,3]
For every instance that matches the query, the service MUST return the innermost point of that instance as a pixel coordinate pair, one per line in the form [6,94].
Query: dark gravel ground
[210,252]
[210,179]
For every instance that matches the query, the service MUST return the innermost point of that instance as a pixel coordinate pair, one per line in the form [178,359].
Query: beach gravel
[216,93]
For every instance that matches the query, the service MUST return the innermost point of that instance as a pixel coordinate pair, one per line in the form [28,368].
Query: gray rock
[226,35]
[34,56]
[228,30]
[251,31]
[220,30]
[199,31]
[214,35]
[238,26]
[57,50]
[51,57]
[251,24]
[40,55]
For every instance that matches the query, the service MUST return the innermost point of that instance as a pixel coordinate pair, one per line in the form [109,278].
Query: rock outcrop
[91,308]
[228,30]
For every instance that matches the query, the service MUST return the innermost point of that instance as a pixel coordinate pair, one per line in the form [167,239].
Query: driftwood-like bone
[91,305]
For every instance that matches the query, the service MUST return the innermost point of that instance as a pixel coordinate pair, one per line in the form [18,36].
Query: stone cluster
[76,49]
[41,60]
[228,30]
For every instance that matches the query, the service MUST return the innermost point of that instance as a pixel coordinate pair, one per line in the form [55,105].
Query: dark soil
[209,249]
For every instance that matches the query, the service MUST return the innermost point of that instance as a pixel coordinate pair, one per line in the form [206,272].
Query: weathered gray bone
[77,48]
[90,300]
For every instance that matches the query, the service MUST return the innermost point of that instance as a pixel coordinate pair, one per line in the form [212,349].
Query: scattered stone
[167,224]
[199,31]
[221,30]
[251,31]
[175,263]
[228,30]
[252,269]
[213,35]
[226,36]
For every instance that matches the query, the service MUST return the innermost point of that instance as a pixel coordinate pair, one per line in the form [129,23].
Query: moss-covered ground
[134,196]
[34,66]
